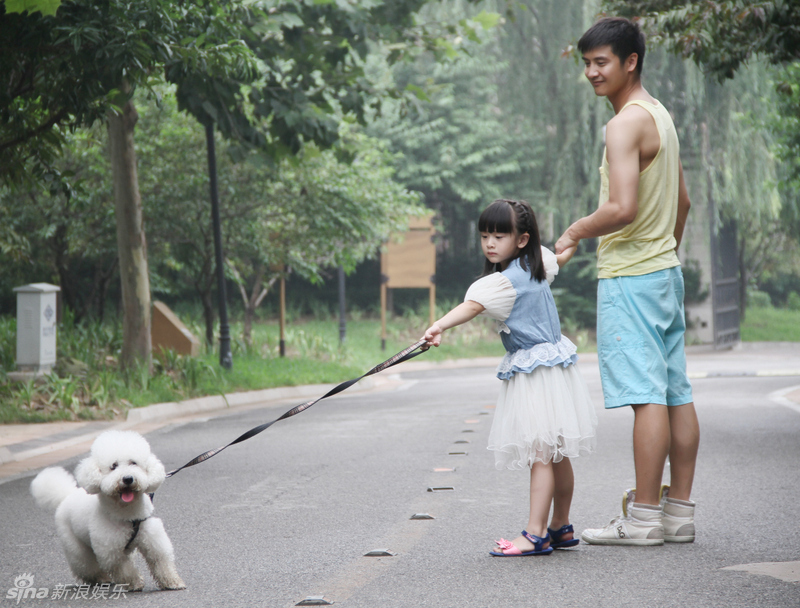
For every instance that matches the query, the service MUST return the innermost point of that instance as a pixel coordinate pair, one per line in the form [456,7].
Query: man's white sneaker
[678,521]
[639,524]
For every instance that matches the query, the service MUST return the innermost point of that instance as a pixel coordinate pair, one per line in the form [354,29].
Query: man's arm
[684,204]
[622,148]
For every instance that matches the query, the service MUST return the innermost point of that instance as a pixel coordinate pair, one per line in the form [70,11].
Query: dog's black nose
[127,480]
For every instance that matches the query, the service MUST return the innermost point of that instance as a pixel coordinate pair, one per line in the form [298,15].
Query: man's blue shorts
[640,339]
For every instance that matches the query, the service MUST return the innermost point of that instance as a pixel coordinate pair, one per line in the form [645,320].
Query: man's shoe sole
[634,542]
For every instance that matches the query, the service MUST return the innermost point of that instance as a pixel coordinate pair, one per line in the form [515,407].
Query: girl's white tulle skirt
[542,416]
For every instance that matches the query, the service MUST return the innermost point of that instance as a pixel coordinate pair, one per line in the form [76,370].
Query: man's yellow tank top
[648,243]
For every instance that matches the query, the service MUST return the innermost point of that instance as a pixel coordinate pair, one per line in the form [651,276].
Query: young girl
[544,414]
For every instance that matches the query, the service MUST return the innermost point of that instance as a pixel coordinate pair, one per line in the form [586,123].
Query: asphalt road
[291,513]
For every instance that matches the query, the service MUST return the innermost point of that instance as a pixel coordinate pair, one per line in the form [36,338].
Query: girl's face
[502,247]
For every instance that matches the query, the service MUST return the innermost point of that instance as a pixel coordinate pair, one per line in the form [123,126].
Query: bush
[758,299]
[779,286]
[793,301]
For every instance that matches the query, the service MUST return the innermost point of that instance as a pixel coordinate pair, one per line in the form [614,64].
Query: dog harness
[135,523]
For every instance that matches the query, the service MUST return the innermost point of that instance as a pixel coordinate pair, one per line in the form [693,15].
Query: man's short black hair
[622,35]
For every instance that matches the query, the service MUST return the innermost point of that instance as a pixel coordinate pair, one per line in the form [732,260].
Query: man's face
[605,71]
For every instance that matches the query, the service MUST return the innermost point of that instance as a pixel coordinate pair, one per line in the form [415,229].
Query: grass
[771,325]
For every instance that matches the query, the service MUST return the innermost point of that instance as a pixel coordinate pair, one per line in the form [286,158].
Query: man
[640,317]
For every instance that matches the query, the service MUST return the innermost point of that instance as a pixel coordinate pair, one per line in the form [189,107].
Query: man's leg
[651,444]
[642,524]
[678,519]
[685,435]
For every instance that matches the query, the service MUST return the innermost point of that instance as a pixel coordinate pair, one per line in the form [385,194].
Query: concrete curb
[757,374]
[161,411]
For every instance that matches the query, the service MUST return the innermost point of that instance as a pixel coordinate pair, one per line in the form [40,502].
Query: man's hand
[566,242]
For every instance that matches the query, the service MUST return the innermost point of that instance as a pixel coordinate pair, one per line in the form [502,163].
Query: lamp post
[225,356]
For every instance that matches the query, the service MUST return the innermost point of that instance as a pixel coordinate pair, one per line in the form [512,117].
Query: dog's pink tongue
[127,496]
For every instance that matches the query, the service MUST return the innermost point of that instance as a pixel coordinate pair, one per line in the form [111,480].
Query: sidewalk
[26,447]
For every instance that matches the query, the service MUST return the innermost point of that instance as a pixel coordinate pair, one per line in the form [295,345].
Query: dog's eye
[132,463]
[113,466]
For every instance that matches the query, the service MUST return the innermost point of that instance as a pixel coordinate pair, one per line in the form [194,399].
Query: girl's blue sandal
[556,536]
[509,549]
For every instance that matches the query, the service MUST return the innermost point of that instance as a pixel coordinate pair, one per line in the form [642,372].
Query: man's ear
[523,240]
[631,62]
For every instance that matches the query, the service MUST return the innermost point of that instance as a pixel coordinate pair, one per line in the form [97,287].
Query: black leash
[403,355]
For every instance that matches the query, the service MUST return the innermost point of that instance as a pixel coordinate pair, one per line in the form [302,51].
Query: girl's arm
[565,256]
[466,311]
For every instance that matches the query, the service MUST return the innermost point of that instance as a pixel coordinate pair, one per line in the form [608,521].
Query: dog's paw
[137,586]
[172,584]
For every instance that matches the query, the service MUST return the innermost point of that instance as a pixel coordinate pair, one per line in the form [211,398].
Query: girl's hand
[565,256]
[433,335]
[566,241]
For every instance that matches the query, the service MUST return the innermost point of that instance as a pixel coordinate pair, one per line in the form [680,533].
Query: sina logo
[23,588]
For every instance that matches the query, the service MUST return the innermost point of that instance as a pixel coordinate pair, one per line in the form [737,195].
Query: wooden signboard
[409,260]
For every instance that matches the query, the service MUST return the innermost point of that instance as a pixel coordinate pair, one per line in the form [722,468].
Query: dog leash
[404,355]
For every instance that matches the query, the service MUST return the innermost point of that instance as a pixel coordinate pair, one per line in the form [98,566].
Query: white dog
[101,523]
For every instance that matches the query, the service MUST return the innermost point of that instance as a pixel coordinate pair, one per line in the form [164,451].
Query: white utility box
[36,327]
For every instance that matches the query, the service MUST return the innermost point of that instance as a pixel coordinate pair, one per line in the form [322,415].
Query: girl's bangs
[497,217]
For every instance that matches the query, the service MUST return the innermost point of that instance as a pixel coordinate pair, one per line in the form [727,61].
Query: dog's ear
[155,473]
[88,475]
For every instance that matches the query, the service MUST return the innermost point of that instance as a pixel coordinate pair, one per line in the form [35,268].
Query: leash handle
[404,355]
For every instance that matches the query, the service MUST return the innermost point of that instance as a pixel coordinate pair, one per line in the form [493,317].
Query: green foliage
[69,232]
[758,299]
[311,57]
[779,284]
[46,7]
[8,342]
[66,70]
[323,209]
[720,35]
[785,126]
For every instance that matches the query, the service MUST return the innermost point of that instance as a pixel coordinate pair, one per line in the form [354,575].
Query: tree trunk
[131,243]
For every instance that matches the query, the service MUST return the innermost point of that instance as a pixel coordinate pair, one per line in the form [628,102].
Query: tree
[69,230]
[82,64]
[298,72]
[321,209]
[720,35]
[329,208]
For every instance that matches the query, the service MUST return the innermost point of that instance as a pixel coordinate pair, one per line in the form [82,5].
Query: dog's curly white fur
[96,521]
